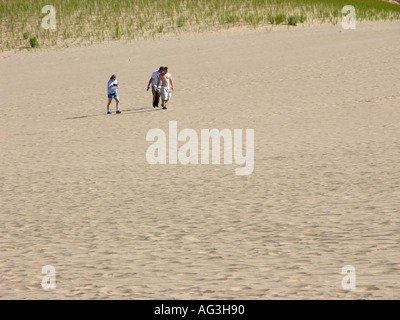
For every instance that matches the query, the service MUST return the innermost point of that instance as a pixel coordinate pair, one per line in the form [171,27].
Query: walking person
[112,88]
[153,82]
[166,86]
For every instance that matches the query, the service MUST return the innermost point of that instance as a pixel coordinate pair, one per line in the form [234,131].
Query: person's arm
[112,85]
[158,82]
[148,85]
[172,84]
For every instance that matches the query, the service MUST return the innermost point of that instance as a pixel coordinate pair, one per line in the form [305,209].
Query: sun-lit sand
[77,192]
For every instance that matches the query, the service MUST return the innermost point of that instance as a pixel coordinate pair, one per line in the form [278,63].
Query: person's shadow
[128,111]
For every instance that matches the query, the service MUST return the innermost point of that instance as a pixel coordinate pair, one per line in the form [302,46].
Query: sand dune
[77,192]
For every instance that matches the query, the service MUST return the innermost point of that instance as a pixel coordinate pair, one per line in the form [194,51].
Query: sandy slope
[78,194]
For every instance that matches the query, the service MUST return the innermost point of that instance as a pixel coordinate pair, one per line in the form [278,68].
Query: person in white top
[166,85]
[112,93]
[153,81]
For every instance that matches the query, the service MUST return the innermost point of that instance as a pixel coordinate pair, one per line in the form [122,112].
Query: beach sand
[78,194]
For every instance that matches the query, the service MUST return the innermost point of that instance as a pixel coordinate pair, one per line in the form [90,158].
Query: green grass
[277,19]
[117,34]
[93,21]
[34,42]
[181,22]
[293,20]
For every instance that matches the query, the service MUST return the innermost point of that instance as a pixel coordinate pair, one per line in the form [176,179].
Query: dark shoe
[118,111]
[108,112]
[165,108]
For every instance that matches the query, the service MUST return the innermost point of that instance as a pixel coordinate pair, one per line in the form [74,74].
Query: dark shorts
[112,95]
[153,90]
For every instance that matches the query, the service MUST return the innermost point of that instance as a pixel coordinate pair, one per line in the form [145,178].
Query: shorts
[112,95]
[153,90]
[165,92]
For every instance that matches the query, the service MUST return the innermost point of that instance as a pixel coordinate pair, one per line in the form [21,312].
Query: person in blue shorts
[112,93]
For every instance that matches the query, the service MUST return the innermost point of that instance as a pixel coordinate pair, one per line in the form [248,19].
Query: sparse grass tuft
[278,19]
[302,18]
[117,30]
[181,22]
[293,20]
[34,42]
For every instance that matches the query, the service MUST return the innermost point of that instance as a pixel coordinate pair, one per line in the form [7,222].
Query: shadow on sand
[128,111]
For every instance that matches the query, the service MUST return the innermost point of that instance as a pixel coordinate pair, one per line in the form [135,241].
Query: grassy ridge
[99,20]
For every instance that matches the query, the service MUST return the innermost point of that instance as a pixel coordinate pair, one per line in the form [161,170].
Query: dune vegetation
[92,21]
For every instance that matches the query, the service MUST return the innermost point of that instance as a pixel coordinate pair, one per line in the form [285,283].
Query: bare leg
[108,104]
[117,101]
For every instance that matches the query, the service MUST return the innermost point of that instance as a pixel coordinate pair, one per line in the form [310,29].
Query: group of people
[161,85]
